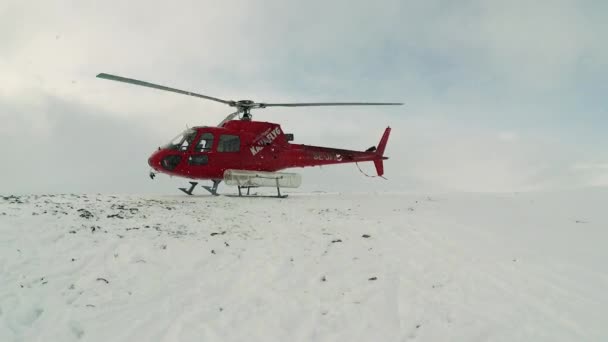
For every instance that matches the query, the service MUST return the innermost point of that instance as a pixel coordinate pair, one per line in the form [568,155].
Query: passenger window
[205,143]
[229,143]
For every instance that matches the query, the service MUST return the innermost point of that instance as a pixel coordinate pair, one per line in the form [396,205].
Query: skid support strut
[279,190]
[243,187]
[213,189]
[189,191]
[248,187]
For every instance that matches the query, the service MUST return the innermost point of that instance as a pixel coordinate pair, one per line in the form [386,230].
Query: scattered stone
[220,233]
[163,247]
[323,278]
[103,279]
[372,278]
[90,305]
[366,236]
[226,243]
[336,240]
[213,251]
[116,216]
[72,232]
[12,199]
[418,326]
[85,214]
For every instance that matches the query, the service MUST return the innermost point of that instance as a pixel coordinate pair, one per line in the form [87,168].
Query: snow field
[312,267]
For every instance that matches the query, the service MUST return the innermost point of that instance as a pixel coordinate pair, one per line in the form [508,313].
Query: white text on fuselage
[265,139]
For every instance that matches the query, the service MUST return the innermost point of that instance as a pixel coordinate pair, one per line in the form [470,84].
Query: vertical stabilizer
[380,152]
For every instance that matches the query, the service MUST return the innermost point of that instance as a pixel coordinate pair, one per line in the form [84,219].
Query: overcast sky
[500,95]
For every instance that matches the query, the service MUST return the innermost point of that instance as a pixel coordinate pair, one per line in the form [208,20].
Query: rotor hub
[245,103]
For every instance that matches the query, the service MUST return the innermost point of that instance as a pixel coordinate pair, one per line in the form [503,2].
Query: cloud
[499,95]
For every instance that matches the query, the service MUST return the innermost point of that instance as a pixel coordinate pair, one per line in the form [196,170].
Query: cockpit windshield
[182,141]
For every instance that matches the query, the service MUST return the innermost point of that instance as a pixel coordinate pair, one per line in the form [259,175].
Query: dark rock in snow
[366,236]
[85,214]
[372,278]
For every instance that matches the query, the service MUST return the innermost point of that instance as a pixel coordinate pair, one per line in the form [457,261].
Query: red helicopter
[247,153]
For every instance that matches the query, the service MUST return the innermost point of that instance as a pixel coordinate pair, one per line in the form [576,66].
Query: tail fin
[380,152]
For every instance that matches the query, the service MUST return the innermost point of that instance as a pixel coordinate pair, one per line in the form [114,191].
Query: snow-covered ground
[312,267]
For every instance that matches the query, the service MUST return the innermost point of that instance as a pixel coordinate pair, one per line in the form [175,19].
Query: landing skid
[211,189]
[249,187]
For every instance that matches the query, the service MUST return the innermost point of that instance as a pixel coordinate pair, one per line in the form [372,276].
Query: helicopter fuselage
[207,152]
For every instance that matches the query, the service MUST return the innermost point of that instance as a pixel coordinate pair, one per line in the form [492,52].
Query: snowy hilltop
[312,267]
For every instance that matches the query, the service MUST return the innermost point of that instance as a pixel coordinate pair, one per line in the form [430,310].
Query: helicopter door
[200,156]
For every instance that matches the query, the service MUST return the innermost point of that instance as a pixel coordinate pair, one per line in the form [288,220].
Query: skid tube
[249,187]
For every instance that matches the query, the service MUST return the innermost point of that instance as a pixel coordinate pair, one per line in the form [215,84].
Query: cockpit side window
[182,141]
[229,143]
[205,143]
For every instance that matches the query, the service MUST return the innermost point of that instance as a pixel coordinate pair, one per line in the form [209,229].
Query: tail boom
[305,155]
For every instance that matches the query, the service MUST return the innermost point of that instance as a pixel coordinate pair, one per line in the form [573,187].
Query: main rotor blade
[330,104]
[160,87]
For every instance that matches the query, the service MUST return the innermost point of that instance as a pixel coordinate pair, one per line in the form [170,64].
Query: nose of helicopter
[155,159]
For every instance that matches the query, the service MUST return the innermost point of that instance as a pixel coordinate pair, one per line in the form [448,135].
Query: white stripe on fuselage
[265,140]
